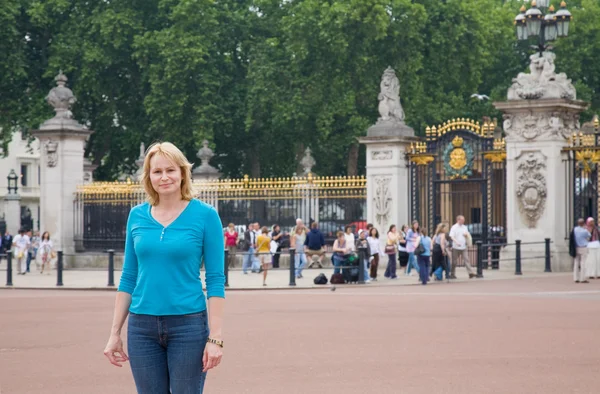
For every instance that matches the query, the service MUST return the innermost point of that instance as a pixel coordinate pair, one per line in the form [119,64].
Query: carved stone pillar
[62,143]
[387,142]
[537,189]
[387,182]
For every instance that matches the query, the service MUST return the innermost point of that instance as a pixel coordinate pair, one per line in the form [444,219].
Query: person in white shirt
[350,239]
[21,244]
[460,235]
[374,246]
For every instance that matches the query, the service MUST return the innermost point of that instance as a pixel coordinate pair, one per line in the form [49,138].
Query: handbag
[420,249]
[321,279]
[337,279]
[390,249]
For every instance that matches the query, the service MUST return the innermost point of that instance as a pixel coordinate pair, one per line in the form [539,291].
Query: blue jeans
[250,260]
[424,269]
[165,352]
[440,270]
[299,262]
[412,263]
[390,270]
[338,262]
[28,260]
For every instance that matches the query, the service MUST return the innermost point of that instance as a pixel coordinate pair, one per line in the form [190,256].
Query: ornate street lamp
[12,182]
[550,29]
[563,18]
[520,22]
[534,19]
[541,21]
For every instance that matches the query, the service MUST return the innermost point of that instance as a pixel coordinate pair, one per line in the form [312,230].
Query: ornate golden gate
[459,169]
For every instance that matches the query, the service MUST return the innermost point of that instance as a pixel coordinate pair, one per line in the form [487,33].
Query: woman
[341,249]
[166,239]
[297,243]
[373,240]
[423,258]
[276,236]
[391,250]
[402,253]
[45,250]
[263,250]
[362,242]
[231,240]
[593,258]
[411,243]
[349,235]
[438,253]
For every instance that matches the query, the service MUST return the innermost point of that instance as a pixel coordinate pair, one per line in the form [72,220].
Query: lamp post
[12,182]
[542,22]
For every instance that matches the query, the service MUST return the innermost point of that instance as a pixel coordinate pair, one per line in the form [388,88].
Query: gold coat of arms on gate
[458,159]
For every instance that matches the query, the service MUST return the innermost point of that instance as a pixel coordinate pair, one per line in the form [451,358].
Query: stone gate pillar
[387,143]
[62,143]
[539,116]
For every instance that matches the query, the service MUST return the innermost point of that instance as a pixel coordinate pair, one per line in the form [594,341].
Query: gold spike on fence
[452,125]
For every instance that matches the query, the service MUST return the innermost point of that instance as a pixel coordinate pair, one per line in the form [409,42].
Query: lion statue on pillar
[390,108]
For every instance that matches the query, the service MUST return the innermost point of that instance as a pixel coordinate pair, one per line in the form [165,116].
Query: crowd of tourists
[27,247]
[410,249]
[584,247]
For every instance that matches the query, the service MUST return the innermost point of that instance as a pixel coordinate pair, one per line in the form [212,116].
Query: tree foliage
[264,79]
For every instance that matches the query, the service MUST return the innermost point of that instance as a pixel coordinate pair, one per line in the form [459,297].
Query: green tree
[264,79]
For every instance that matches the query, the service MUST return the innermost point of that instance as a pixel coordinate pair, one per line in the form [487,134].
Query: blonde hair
[172,153]
[440,228]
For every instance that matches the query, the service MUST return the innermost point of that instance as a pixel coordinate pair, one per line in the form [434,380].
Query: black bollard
[518,257]
[292,267]
[9,268]
[111,267]
[59,269]
[362,254]
[479,259]
[226,268]
[547,256]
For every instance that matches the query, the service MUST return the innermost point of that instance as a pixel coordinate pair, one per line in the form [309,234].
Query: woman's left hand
[212,356]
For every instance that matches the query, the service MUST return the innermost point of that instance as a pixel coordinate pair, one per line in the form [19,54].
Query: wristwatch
[215,341]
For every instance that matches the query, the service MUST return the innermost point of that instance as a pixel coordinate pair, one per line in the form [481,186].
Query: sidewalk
[276,279]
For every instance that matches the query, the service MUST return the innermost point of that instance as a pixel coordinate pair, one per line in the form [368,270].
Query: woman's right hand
[114,350]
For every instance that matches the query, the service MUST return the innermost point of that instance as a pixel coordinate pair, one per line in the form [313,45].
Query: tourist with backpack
[423,253]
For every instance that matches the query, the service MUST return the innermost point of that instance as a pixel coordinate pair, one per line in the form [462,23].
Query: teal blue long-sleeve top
[161,270]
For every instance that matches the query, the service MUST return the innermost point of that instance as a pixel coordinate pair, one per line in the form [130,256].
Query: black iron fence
[581,160]
[102,208]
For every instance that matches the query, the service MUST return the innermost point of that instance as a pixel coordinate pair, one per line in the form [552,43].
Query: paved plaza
[276,279]
[526,335]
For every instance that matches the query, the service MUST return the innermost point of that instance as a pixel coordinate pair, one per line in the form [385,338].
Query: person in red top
[231,240]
